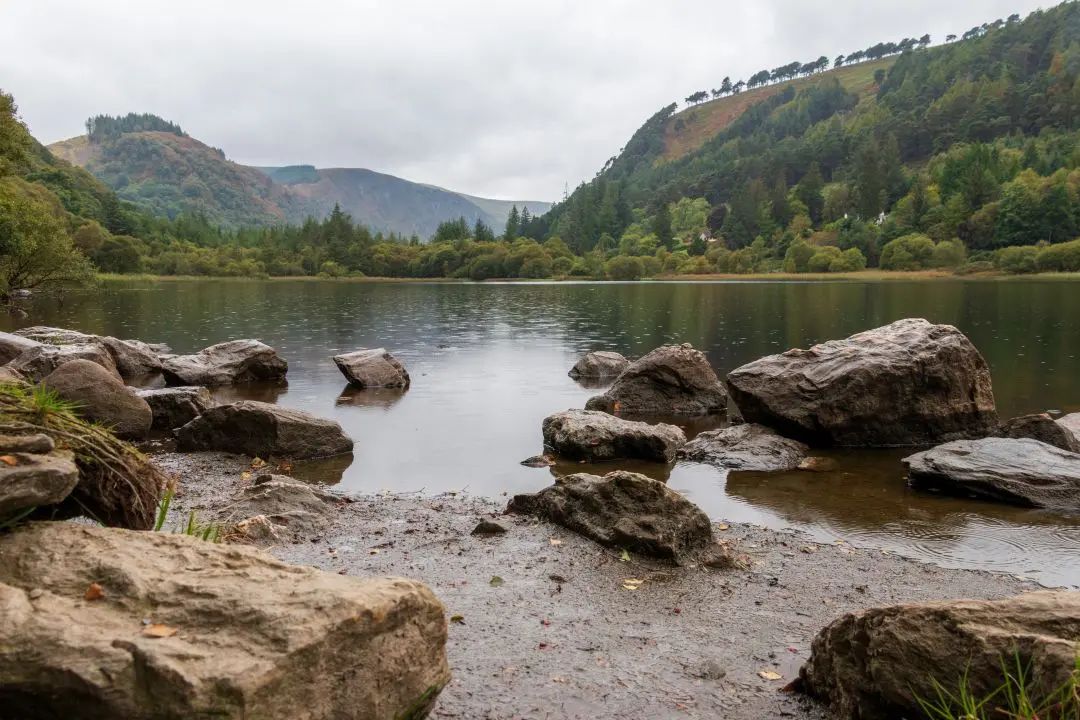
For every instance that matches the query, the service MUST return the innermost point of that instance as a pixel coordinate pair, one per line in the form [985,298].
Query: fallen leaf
[9,459]
[258,463]
[544,646]
[557,578]
[459,619]
[722,526]
[809,549]
[545,623]
[559,679]
[555,541]
[624,556]
[677,611]
[159,631]
[632,583]
[94,592]
[770,675]
[245,476]
[373,552]
[496,581]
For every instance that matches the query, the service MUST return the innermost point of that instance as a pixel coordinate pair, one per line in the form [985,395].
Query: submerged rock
[1043,428]
[599,365]
[623,510]
[176,406]
[229,363]
[538,461]
[372,369]
[908,383]
[599,437]
[99,396]
[745,447]
[134,360]
[672,381]
[260,429]
[36,363]
[1022,472]
[876,664]
[184,628]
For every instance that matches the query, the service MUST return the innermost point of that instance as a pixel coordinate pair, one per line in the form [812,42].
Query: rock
[372,369]
[297,509]
[489,527]
[745,447]
[258,529]
[672,381]
[11,377]
[1022,472]
[874,664]
[12,346]
[134,360]
[818,464]
[260,429]
[176,406]
[538,461]
[599,437]
[908,383]
[29,479]
[599,365]
[39,361]
[1071,423]
[101,397]
[228,363]
[1043,428]
[34,444]
[241,635]
[623,510]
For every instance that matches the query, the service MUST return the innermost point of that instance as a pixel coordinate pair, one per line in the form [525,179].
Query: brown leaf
[94,592]
[159,631]
[559,679]
[770,675]
[555,541]
[459,619]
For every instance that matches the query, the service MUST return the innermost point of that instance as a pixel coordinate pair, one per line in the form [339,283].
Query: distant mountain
[500,209]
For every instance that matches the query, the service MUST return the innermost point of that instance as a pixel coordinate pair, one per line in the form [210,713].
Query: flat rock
[875,664]
[1021,472]
[134,360]
[176,406]
[234,633]
[38,362]
[1071,423]
[295,508]
[908,383]
[229,363]
[372,369]
[671,381]
[34,444]
[261,429]
[1043,428]
[623,510]
[12,346]
[599,365]
[30,480]
[745,447]
[101,397]
[598,437]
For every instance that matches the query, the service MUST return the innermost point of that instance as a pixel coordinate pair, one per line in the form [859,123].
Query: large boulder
[1071,423]
[101,397]
[1021,472]
[261,429]
[745,447]
[673,381]
[876,664]
[1043,428]
[623,510]
[9,376]
[598,437]
[33,474]
[908,383]
[295,509]
[372,369]
[599,365]
[182,628]
[228,363]
[38,362]
[134,360]
[176,406]
[12,346]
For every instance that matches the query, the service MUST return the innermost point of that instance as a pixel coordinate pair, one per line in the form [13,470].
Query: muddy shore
[544,624]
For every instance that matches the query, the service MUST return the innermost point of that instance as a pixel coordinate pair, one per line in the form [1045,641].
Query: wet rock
[176,406]
[30,478]
[295,508]
[12,346]
[599,437]
[34,444]
[538,461]
[1022,472]
[260,429]
[745,447]
[489,527]
[874,664]
[36,363]
[1071,423]
[134,360]
[599,365]
[908,383]
[1043,428]
[672,381]
[234,633]
[101,397]
[372,369]
[818,464]
[229,363]
[623,510]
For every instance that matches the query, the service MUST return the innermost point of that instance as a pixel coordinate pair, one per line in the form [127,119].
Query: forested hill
[973,139]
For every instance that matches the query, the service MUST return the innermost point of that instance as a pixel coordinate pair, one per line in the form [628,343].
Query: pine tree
[512,224]
[661,227]
[481,232]
[869,180]
[523,223]
[809,190]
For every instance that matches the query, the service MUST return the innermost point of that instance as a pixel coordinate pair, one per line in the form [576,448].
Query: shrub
[1017,260]
[972,268]
[823,259]
[948,254]
[624,268]
[1063,257]
[798,255]
[851,260]
[910,252]
[562,266]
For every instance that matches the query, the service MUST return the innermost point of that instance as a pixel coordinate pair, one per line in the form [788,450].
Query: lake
[489,362]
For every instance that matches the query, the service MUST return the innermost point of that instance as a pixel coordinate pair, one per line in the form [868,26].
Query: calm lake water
[489,362]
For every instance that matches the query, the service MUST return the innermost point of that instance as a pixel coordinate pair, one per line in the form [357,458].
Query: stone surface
[1022,472]
[296,508]
[10,376]
[745,447]
[538,461]
[623,510]
[874,664]
[1041,427]
[1071,423]
[176,406]
[34,480]
[489,527]
[34,444]
[36,363]
[261,429]
[101,397]
[134,360]
[228,363]
[372,369]
[12,346]
[253,637]
[672,381]
[598,365]
[908,383]
[599,437]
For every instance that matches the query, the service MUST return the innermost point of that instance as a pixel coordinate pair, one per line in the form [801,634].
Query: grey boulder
[1043,428]
[33,475]
[229,363]
[176,406]
[672,381]
[134,360]
[12,346]
[295,509]
[372,369]
[598,437]
[745,447]
[599,365]
[1071,423]
[38,362]
[99,396]
[261,429]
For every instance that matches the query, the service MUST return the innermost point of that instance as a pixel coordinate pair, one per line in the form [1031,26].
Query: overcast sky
[496,98]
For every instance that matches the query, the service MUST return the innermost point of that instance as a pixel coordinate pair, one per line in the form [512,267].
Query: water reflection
[384,398]
[324,471]
[261,391]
